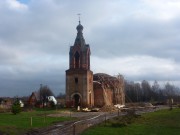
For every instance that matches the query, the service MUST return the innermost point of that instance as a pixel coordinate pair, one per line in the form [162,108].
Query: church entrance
[77,100]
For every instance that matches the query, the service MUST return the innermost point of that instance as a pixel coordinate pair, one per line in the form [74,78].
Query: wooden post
[105,118]
[31,121]
[170,103]
[74,129]
[44,117]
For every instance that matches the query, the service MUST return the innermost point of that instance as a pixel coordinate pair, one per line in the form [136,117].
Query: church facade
[82,87]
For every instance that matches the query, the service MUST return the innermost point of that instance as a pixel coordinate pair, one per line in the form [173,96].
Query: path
[87,119]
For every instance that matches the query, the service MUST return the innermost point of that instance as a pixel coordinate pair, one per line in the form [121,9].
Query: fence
[77,127]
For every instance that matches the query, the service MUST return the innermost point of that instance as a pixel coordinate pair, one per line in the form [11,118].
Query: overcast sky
[136,38]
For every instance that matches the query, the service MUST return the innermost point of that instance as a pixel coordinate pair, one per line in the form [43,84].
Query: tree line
[145,92]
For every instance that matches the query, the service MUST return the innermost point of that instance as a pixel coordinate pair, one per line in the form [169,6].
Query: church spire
[79,38]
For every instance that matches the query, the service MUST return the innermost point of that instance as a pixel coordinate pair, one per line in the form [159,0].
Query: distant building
[21,103]
[85,89]
[52,99]
[34,99]
[6,102]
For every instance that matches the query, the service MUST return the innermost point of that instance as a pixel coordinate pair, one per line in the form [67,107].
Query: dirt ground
[76,114]
[55,129]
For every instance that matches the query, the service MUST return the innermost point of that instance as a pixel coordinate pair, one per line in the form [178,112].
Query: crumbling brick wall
[108,90]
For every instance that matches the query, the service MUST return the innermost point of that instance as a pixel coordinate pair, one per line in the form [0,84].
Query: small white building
[21,103]
[52,98]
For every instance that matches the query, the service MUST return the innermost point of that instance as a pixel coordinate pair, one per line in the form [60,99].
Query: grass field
[163,122]
[21,123]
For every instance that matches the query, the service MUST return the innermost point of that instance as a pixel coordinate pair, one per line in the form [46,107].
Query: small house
[34,99]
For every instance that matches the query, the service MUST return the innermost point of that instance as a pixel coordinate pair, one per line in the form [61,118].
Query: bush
[16,108]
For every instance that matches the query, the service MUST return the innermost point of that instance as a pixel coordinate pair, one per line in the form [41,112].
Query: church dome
[79,27]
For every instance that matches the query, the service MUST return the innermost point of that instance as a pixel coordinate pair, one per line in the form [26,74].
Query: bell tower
[79,77]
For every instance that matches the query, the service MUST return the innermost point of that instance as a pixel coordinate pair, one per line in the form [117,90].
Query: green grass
[163,122]
[21,123]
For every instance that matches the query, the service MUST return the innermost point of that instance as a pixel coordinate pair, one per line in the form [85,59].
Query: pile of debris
[139,106]
[86,110]
[90,110]
[148,105]
[108,108]
[142,104]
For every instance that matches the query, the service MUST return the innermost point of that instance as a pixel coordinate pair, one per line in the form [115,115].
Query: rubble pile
[108,108]
[139,105]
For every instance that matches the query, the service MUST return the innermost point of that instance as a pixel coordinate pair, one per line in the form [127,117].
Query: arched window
[77,60]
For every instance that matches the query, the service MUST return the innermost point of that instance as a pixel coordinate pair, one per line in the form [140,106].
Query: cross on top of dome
[79,27]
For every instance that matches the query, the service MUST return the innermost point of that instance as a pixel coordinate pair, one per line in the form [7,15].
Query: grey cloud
[20,84]
[154,38]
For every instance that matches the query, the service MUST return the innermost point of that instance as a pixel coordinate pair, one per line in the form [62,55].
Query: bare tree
[140,92]
[169,90]
[146,90]
[133,91]
[155,86]
[45,91]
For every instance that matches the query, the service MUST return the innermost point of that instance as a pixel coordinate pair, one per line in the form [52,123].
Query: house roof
[36,94]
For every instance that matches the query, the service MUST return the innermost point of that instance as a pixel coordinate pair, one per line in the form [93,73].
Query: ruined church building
[85,89]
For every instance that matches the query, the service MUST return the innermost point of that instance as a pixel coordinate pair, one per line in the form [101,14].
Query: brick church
[85,89]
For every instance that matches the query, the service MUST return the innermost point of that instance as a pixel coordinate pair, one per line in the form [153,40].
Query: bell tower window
[77,60]
[76,80]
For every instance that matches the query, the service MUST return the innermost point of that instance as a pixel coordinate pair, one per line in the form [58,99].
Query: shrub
[52,104]
[16,108]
